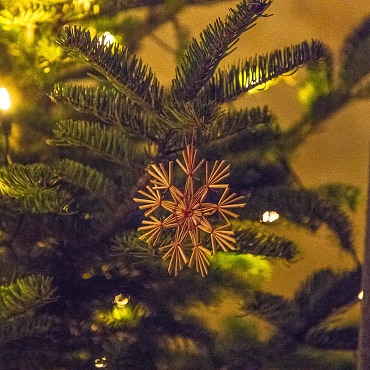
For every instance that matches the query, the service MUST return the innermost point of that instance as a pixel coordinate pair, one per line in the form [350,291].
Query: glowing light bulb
[101,362]
[107,38]
[120,300]
[4,99]
[270,216]
[361,295]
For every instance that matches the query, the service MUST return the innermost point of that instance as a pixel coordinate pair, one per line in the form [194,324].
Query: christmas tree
[149,205]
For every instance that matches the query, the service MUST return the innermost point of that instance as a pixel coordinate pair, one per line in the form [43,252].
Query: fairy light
[361,295]
[120,300]
[270,216]
[107,38]
[101,363]
[85,4]
[87,275]
[5,103]
[5,122]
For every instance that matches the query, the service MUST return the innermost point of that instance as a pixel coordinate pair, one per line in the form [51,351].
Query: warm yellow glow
[85,4]
[107,38]
[4,99]
[105,267]
[120,315]
[306,94]
[245,80]
[83,355]
[120,300]
[101,362]
[361,295]
[270,216]
[314,85]
[86,275]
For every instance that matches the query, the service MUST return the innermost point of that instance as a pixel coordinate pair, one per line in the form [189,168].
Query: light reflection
[120,300]
[5,103]
[107,38]
[101,362]
[270,216]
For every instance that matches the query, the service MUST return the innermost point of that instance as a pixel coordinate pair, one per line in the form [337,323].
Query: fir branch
[274,309]
[355,60]
[107,142]
[303,207]
[198,114]
[121,317]
[300,319]
[362,89]
[254,173]
[182,346]
[109,105]
[87,178]
[19,180]
[220,133]
[212,124]
[317,83]
[245,150]
[252,240]
[201,59]
[128,244]
[35,187]
[25,295]
[344,196]
[333,339]
[27,327]
[50,200]
[325,292]
[23,16]
[254,72]
[127,73]
[235,122]
[119,5]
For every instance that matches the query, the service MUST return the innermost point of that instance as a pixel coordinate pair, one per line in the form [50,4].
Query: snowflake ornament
[188,212]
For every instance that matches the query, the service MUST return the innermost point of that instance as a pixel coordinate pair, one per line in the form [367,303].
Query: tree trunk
[364,336]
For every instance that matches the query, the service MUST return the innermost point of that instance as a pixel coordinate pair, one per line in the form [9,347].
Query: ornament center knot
[188,212]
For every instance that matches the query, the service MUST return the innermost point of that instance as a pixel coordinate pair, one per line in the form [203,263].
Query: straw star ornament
[188,212]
